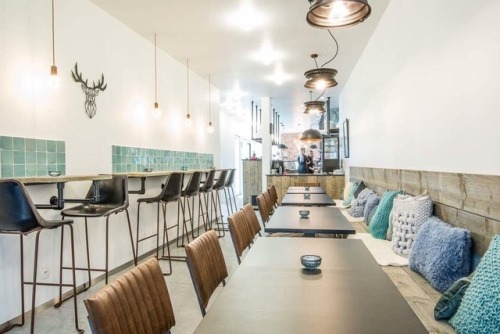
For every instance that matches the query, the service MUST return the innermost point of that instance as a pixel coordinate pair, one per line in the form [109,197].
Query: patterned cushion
[380,221]
[441,253]
[358,204]
[388,236]
[449,302]
[409,214]
[354,190]
[479,311]
[371,203]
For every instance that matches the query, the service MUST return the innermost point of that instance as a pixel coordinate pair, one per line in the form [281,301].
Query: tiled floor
[186,309]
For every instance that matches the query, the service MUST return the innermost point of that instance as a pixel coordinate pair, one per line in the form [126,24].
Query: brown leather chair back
[137,302]
[206,265]
[251,219]
[274,195]
[240,233]
[264,211]
[270,207]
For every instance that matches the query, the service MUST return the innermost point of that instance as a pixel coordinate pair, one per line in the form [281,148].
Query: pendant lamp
[314,106]
[156,107]
[188,121]
[329,14]
[311,136]
[210,128]
[53,80]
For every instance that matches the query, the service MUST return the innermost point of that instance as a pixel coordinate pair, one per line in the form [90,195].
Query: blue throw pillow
[350,195]
[371,203]
[441,253]
[449,302]
[479,312]
[380,221]
[358,205]
[370,216]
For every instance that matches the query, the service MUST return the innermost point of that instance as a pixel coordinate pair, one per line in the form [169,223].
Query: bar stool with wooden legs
[218,187]
[190,192]
[170,193]
[18,216]
[104,198]
[229,193]
[204,199]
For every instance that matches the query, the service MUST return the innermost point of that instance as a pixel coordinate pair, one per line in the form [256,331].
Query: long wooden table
[325,220]
[314,200]
[270,293]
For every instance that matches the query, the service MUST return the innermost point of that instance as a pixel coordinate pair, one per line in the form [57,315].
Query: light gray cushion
[371,203]
[358,204]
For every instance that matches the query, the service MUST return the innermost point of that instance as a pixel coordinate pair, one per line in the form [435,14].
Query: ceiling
[201,31]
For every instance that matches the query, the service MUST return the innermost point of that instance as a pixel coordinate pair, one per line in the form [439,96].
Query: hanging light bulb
[53,79]
[188,120]
[330,14]
[210,128]
[156,108]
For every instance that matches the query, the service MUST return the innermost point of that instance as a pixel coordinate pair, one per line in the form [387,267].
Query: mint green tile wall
[20,157]
[134,159]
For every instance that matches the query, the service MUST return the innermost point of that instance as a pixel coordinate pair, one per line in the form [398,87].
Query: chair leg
[73,273]
[107,250]
[231,190]
[33,292]
[137,233]
[165,239]
[88,252]
[131,238]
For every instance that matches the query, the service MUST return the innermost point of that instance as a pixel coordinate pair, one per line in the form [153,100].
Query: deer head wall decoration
[90,91]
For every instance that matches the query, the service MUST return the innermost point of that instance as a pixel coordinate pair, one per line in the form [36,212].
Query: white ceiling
[199,30]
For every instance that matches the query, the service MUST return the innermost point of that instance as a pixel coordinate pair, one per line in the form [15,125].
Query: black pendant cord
[324,90]
[336,51]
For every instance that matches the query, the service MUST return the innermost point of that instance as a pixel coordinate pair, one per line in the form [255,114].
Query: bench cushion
[441,253]
[358,204]
[479,311]
[380,221]
[449,302]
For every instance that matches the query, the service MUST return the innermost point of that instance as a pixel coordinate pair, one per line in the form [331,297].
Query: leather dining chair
[274,195]
[229,192]
[240,232]
[252,220]
[18,216]
[137,302]
[207,266]
[191,190]
[269,203]
[112,199]
[263,209]
[216,200]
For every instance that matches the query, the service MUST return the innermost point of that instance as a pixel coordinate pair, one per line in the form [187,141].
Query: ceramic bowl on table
[54,173]
[310,262]
[304,213]
[307,196]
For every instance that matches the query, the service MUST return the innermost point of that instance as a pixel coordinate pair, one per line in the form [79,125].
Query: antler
[100,84]
[78,76]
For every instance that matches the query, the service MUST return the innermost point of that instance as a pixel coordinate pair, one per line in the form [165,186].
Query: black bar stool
[19,216]
[192,189]
[170,193]
[229,193]
[103,199]
[218,187]
[204,198]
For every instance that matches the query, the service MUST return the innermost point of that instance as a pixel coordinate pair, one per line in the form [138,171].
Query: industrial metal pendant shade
[320,78]
[329,14]
[315,107]
[311,136]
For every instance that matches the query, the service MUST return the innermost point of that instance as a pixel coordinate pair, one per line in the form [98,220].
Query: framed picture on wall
[345,130]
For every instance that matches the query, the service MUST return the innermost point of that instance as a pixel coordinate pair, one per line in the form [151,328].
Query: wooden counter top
[61,179]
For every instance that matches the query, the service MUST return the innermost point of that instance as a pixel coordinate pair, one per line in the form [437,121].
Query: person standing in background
[310,162]
[302,160]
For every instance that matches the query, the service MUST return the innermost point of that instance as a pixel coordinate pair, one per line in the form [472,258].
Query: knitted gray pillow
[408,214]
[358,205]
[371,202]
[370,216]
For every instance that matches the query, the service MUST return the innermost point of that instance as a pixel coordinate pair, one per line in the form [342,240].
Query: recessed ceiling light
[247,17]
[267,54]
[279,76]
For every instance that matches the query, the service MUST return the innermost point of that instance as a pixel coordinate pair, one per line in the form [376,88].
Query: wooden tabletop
[270,293]
[303,190]
[321,220]
[314,200]
[62,178]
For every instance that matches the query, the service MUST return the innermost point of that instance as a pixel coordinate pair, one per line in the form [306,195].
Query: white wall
[424,95]
[28,108]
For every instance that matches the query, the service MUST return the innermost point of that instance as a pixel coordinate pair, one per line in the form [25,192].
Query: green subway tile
[30,145]
[7,157]
[19,144]
[41,170]
[41,145]
[19,171]
[61,167]
[60,146]
[7,170]
[61,158]
[31,157]
[51,146]
[51,158]
[41,158]
[19,158]
[52,167]
[6,143]
[31,170]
